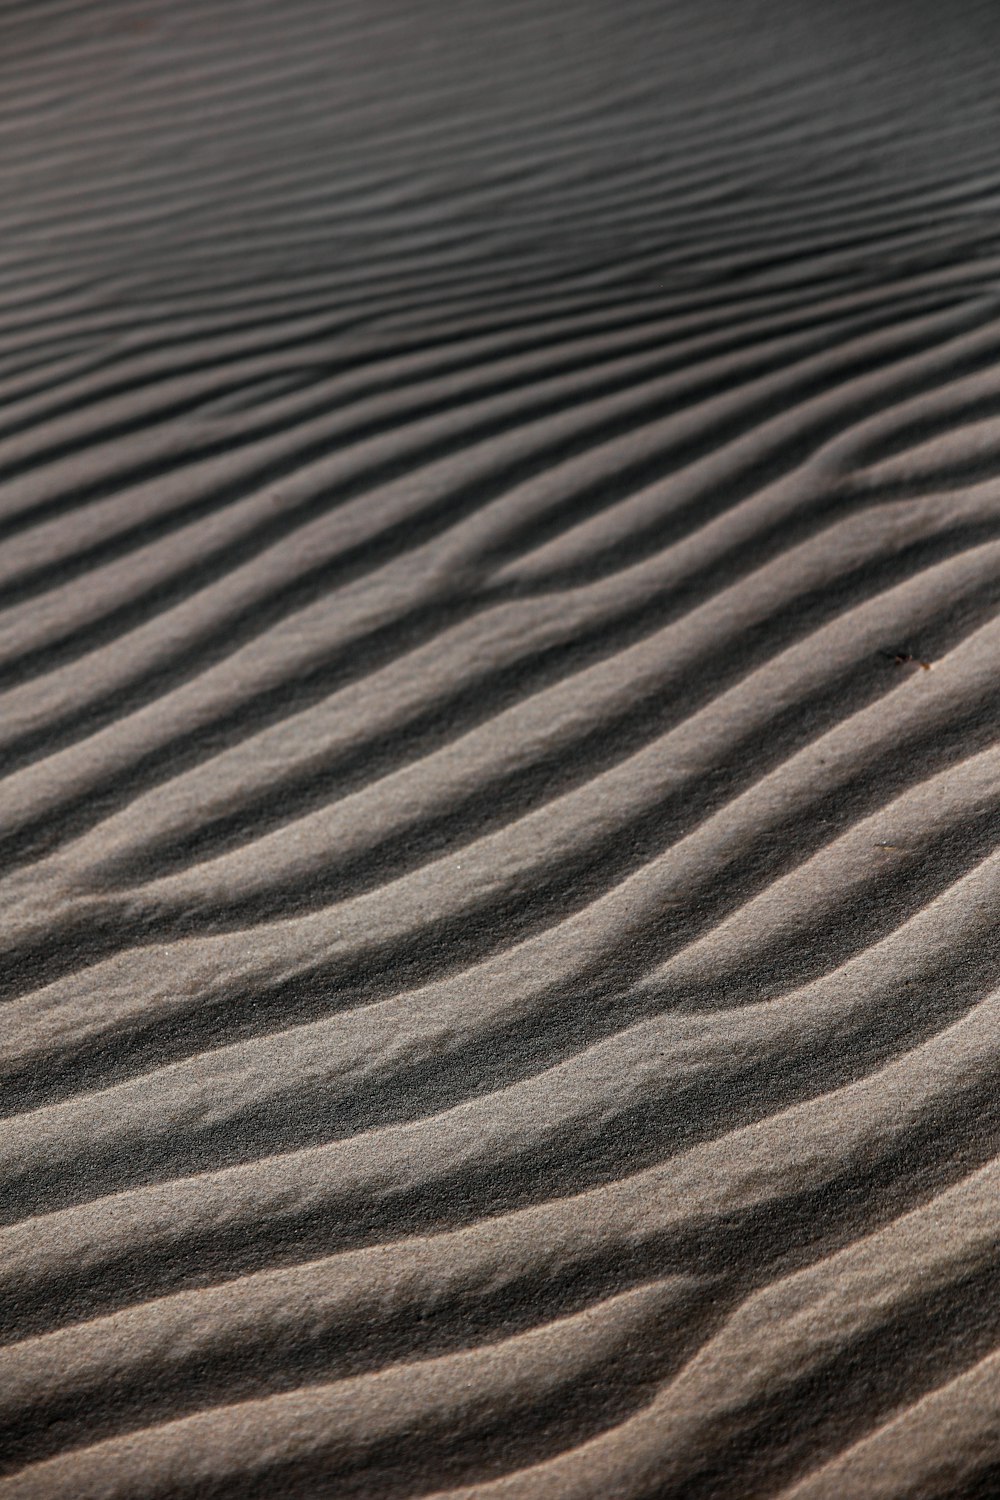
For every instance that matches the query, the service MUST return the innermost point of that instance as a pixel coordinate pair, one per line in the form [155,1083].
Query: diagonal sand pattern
[499,750]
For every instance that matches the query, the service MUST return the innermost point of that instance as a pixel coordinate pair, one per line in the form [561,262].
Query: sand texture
[499,750]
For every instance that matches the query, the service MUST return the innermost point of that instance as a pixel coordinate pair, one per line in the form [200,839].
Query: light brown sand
[499,798]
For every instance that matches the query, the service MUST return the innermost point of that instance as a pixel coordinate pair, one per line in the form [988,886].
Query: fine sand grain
[499,750]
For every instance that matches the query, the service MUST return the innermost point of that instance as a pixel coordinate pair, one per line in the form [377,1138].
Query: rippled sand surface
[500,750]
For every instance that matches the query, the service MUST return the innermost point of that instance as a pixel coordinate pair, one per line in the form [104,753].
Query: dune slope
[499,750]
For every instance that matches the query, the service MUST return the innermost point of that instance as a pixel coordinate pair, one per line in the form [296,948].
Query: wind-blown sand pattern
[500,750]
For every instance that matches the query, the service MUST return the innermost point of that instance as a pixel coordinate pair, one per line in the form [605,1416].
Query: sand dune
[499,750]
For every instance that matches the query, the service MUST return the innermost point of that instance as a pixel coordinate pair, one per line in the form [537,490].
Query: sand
[499,750]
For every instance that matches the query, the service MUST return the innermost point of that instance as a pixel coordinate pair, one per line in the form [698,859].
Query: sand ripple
[499,750]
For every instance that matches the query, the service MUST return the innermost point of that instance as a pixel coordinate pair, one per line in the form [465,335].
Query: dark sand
[500,738]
